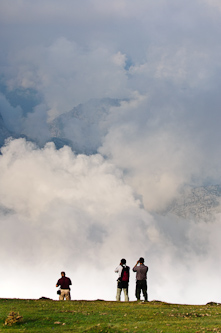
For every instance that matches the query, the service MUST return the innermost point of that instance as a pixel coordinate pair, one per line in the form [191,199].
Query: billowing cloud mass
[108,111]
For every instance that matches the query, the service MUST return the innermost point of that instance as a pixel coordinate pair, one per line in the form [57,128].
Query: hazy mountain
[198,202]
[4,132]
[84,126]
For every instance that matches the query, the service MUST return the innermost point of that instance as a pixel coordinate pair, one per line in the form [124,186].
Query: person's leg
[118,294]
[119,289]
[138,290]
[67,295]
[61,296]
[144,290]
[126,298]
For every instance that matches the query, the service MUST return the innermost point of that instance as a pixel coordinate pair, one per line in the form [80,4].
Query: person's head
[123,261]
[141,260]
[62,274]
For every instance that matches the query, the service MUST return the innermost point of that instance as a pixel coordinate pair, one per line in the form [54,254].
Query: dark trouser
[141,285]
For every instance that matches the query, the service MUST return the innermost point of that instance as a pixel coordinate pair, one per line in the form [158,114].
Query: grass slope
[103,316]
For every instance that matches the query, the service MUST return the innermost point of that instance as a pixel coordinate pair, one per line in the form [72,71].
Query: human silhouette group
[123,272]
[124,276]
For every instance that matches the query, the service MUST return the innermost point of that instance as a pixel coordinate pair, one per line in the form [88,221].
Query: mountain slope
[4,133]
[198,202]
[84,127]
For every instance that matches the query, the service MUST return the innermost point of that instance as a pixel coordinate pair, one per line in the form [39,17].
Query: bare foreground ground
[45,315]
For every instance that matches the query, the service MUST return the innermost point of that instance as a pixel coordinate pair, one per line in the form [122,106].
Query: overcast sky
[160,60]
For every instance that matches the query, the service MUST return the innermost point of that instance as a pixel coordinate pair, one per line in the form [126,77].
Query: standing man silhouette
[123,279]
[65,283]
[141,277]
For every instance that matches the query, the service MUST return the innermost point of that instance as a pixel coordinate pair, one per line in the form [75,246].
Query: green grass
[104,316]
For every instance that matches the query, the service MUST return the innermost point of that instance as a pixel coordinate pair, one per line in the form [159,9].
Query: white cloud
[163,59]
[37,169]
[61,211]
[59,72]
[154,155]
[57,205]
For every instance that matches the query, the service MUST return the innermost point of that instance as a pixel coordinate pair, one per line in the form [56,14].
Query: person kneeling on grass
[65,283]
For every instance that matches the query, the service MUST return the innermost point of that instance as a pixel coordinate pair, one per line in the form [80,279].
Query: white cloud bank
[60,211]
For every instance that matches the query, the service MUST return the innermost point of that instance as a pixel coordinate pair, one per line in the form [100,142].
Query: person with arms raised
[123,279]
[141,279]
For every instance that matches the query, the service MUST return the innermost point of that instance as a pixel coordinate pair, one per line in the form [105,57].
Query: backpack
[125,274]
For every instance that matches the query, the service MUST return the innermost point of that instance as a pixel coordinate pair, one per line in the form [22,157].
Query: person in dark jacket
[141,277]
[64,283]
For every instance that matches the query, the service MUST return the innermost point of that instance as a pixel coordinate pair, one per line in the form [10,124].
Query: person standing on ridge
[65,283]
[123,280]
[141,277]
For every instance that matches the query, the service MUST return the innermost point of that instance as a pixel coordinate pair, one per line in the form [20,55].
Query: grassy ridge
[104,316]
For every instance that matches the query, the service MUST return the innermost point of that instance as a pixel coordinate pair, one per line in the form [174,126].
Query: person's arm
[134,268]
[58,284]
[117,269]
